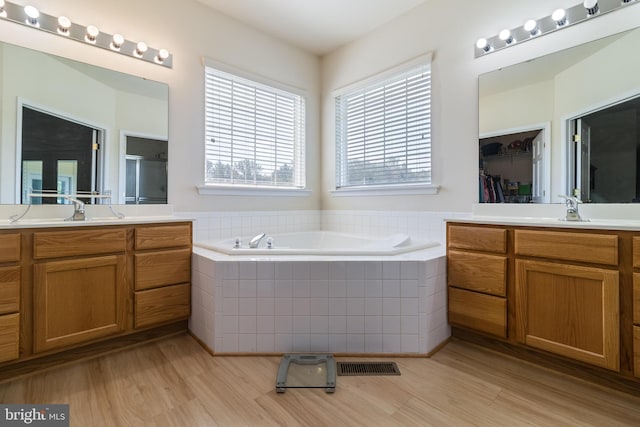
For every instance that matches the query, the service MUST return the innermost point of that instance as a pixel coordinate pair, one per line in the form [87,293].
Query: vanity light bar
[62,26]
[559,19]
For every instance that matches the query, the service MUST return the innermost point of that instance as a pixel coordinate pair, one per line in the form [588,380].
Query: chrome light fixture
[63,26]
[559,19]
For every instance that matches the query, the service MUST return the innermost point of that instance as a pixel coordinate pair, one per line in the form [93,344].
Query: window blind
[383,131]
[254,133]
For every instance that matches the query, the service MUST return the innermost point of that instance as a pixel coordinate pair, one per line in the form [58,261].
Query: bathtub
[313,293]
[320,243]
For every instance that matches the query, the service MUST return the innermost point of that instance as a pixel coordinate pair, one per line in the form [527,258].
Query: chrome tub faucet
[253,243]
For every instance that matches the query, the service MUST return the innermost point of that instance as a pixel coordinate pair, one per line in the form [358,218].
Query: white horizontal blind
[383,131]
[254,133]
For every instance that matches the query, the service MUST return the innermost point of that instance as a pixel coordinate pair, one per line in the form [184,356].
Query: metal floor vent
[367,368]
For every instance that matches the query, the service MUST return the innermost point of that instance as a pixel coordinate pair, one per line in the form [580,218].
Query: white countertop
[41,216]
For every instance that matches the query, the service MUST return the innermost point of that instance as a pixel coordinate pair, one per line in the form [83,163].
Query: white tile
[391,307]
[338,324]
[247,306]
[319,288]
[247,324]
[230,270]
[355,307]
[265,306]
[338,343]
[284,288]
[409,270]
[247,288]
[300,342]
[265,270]
[337,270]
[283,306]
[300,288]
[355,271]
[247,270]
[410,325]
[373,271]
[409,288]
[301,324]
[392,343]
[373,288]
[300,270]
[355,343]
[318,271]
[284,324]
[337,306]
[230,288]
[265,343]
[373,343]
[283,271]
[373,324]
[230,325]
[410,343]
[373,306]
[265,288]
[337,288]
[301,307]
[319,343]
[265,324]
[319,306]
[230,343]
[409,306]
[284,343]
[319,324]
[355,288]
[355,324]
[247,343]
[230,306]
[391,324]
[391,270]
[391,288]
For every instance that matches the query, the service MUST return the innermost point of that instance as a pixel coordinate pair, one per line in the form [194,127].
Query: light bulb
[531,26]
[117,41]
[591,6]
[560,16]
[141,48]
[64,24]
[505,36]
[3,13]
[483,44]
[162,55]
[92,33]
[32,15]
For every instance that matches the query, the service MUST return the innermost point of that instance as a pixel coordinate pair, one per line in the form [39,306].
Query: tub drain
[367,368]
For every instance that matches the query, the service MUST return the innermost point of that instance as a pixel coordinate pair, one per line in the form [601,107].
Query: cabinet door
[78,300]
[9,337]
[569,310]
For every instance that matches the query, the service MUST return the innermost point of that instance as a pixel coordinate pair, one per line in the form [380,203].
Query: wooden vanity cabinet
[162,274]
[79,286]
[636,306]
[10,277]
[477,278]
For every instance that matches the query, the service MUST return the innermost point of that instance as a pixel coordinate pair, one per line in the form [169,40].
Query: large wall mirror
[564,123]
[72,128]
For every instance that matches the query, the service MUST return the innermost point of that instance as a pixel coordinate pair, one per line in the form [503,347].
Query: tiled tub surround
[319,304]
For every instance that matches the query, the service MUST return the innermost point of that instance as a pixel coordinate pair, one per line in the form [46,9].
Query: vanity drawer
[153,269]
[636,298]
[636,252]
[477,311]
[55,244]
[585,247]
[9,290]
[9,337]
[166,236]
[477,272]
[162,304]
[10,247]
[477,238]
[636,351]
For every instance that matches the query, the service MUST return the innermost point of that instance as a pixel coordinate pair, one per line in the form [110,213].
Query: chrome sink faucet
[572,208]
[78,209]
[253,243]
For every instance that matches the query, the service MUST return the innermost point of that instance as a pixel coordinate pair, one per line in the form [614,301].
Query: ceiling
[318,26]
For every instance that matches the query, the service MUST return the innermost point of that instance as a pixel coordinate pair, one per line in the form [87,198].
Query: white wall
[190,31]
[449,30]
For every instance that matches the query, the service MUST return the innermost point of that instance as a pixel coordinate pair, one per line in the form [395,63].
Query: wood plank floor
[174,382]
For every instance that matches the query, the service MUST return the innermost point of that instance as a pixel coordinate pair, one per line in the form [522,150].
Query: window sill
[387,190]
[238,190]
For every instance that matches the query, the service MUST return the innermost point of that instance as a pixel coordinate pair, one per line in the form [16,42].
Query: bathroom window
[383,130]
[254,132]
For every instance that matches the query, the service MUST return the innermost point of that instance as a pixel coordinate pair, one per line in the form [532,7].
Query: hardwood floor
[174,382]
